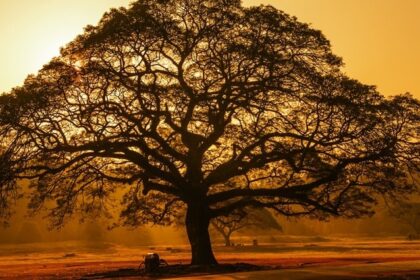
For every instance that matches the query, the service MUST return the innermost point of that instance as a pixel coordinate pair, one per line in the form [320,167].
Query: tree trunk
[197,223]
[227,239]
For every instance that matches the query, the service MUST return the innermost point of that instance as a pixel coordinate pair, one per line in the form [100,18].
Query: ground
[288,257]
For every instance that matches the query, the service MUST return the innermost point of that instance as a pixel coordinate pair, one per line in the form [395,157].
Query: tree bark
[197,223]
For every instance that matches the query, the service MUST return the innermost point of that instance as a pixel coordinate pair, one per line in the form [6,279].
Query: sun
[32,32]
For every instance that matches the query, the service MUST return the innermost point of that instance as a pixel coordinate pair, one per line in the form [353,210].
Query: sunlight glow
[379,39]
[32,32]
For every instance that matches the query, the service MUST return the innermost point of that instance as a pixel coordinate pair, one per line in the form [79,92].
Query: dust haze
[24,228]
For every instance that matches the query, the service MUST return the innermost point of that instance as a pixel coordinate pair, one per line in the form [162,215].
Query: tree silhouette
[240,219]
[208,105]
[409,214]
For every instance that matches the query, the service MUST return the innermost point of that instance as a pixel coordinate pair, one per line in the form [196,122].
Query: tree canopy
[206,104]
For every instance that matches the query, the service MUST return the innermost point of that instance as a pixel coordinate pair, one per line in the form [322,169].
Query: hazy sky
[378,39]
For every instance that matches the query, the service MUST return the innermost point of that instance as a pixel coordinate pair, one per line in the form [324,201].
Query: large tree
[204,104]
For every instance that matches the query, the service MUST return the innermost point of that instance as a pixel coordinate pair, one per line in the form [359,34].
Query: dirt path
[296,268]
[404,270]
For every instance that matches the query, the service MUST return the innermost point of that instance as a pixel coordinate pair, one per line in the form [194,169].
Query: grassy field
[290,256]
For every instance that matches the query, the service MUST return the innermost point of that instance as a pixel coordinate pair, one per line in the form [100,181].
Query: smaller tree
[409,214]
[244,218]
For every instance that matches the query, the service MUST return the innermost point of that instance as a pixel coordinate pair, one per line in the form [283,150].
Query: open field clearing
[308,259]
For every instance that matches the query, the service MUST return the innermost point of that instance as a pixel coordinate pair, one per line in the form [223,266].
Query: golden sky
[378,39]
